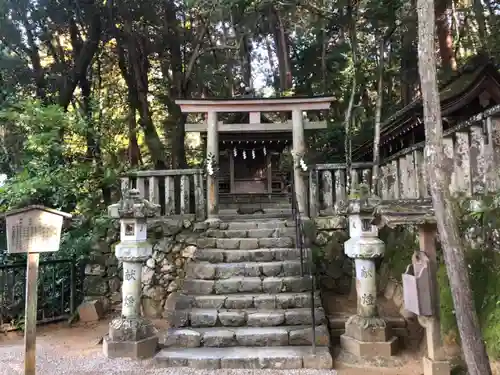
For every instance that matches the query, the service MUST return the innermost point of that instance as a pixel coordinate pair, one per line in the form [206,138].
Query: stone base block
[145,348]
[373,333]
[369,349]
[91,311]
[436,367]
[131,329]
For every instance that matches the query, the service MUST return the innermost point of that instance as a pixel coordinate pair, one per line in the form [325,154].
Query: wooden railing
[328,190]
[177,191]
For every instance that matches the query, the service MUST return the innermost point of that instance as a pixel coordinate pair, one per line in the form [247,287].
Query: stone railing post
[131,335]
[366,333]
[435,362]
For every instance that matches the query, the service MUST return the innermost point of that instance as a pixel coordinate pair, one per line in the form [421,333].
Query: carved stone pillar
[213,154]
[366,333]
[299,148]
[131,335]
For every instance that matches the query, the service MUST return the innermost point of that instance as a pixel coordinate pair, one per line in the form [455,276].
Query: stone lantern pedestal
[131,335]
[366,333]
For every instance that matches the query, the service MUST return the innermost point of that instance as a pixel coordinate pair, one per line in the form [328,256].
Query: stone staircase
[245,303]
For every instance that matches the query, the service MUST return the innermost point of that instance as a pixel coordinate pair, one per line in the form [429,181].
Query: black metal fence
[60,284]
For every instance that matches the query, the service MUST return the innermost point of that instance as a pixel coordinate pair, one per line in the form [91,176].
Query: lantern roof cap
[132,205]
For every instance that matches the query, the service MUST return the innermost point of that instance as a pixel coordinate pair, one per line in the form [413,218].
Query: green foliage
[55,174]
[480,224]
[49,172]
[400,244]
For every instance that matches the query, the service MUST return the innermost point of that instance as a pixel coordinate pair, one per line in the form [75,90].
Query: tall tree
[473,345]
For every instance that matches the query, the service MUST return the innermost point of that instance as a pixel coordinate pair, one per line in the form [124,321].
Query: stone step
[253,255]
[245,243]
[271,206]
[269,214]
[246,358]
[258,224]
[249,317]
[222,337]
[255,233]
[256,301]
[214,271]
[243,284]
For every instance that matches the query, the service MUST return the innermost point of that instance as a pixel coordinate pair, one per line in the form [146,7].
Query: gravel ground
[92,362]
[76,351]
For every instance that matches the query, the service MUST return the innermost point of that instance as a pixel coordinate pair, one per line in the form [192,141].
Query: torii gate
[254,106]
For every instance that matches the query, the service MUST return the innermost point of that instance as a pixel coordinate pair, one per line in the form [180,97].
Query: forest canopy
[88,89]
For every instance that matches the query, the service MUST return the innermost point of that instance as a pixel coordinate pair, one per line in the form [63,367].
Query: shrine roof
[461,89]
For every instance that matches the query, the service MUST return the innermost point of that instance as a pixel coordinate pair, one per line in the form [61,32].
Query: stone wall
[335,268]
[174,245]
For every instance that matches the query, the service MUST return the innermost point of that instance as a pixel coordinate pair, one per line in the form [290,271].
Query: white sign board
[34,229]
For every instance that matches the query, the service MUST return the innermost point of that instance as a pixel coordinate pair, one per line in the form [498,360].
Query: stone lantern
[366,333]
[131,335]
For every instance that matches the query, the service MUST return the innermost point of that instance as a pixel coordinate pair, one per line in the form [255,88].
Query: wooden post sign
[33,230]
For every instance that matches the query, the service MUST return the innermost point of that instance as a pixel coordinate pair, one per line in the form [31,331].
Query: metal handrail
[299,244]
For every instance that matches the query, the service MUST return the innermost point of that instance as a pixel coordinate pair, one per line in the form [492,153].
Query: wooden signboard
[32,230]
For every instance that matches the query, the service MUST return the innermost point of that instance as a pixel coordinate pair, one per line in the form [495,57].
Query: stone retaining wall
[336,268]
[174,244]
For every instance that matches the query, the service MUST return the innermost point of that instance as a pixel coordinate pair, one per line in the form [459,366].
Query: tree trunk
[324,50]
[270,57]
[473,345]
[389,77]
[481,23]
[445,37]
[174,125]
[230,61]
[285,52]
[409,68]
[138,77]
[134,152]
[281,44]
[93,153]
[348,114]
[378,115]
[82,59]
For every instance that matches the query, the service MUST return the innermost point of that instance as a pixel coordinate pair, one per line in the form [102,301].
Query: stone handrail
[178,191]
[328,190]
